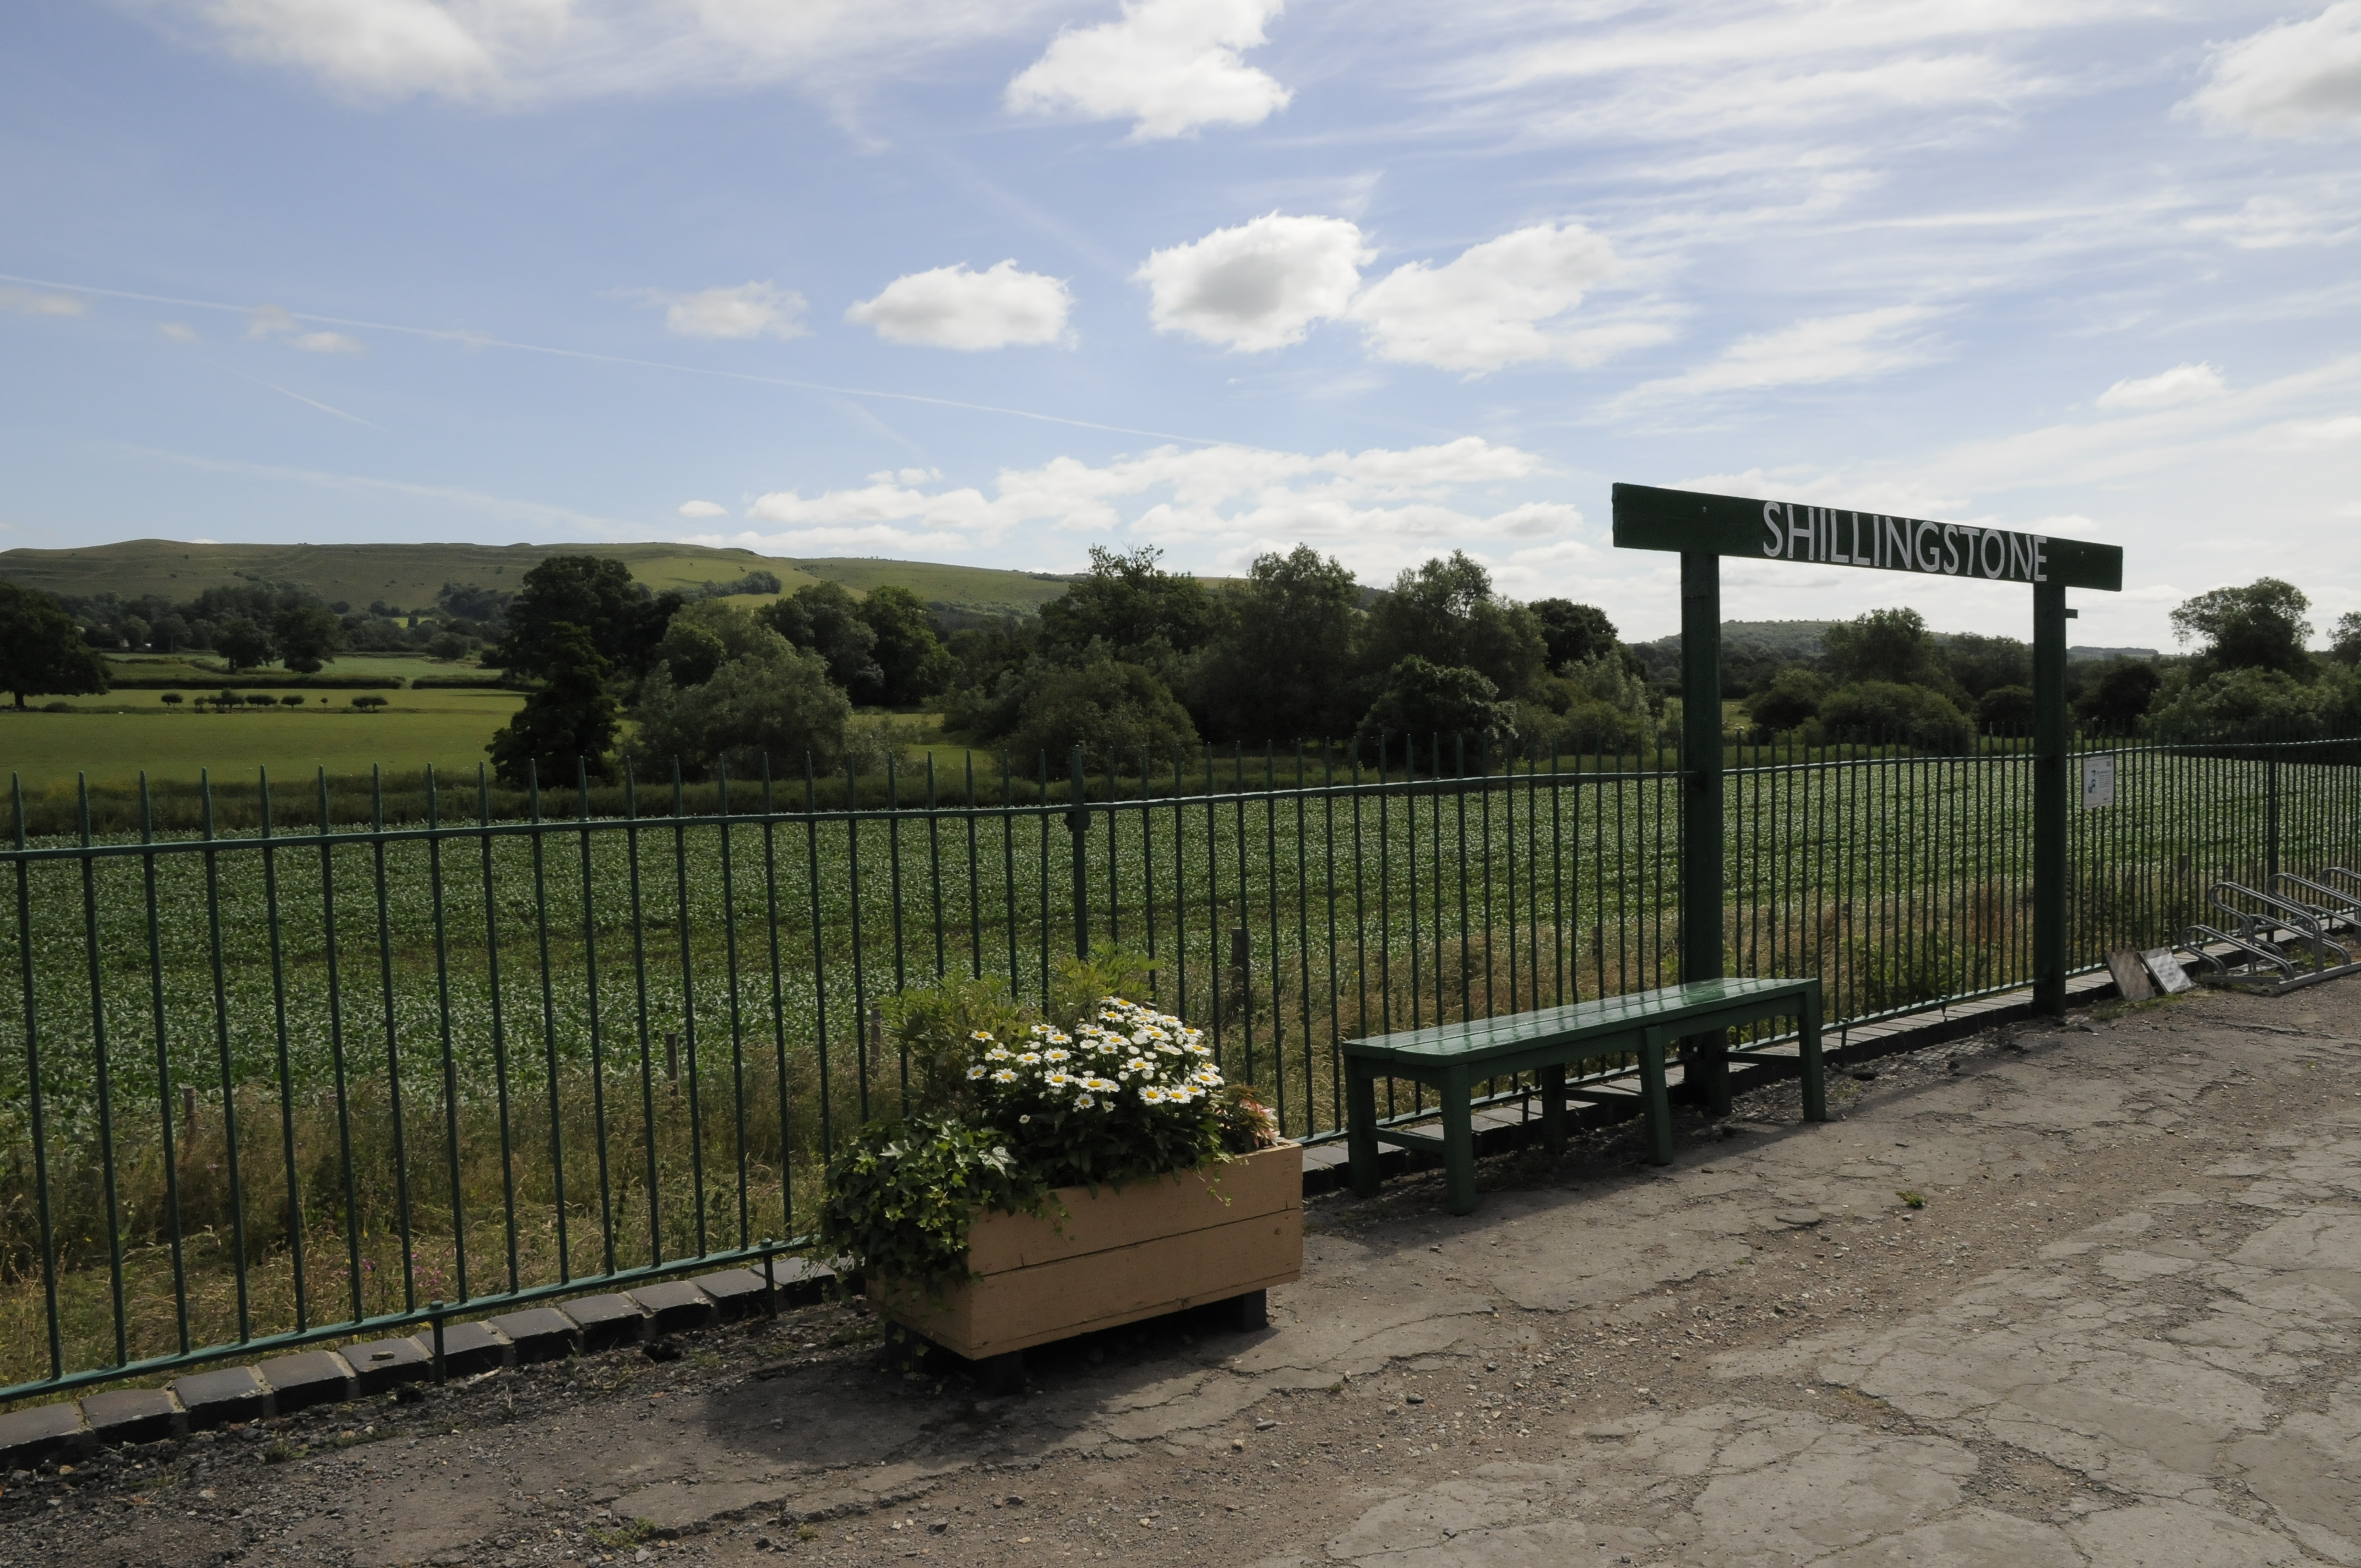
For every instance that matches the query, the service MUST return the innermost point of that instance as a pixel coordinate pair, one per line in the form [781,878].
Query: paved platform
[2048,1295]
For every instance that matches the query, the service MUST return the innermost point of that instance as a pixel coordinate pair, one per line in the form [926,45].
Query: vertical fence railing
[299,1080]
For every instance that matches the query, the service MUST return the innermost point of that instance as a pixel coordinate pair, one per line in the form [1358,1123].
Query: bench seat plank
[1452,1058]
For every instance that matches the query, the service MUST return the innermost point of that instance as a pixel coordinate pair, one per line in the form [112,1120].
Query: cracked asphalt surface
[2116,1328]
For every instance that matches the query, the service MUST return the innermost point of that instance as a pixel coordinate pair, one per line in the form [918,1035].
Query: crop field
[379,1068]
[116,738]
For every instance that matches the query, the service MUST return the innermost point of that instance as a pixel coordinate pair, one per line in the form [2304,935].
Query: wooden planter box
[1151,1248]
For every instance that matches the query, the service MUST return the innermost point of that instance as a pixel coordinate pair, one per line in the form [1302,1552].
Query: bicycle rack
[2273,942]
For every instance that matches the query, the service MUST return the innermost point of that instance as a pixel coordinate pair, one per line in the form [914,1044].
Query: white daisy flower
[974,1072]
[1085,1103]
[1004,1076]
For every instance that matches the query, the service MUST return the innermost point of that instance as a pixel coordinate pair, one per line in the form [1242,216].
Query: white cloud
[518,51]
[1488,308]
[2181,384]
[274,321]
[2292,79]
[1261,285]
[1824,348]
[951,307]
[36,303]
[1377,508]
[2323,216]
[179,332]
[1169,65]
[702,508]
[745,309]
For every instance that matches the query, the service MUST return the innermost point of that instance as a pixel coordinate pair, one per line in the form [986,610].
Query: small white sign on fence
[2098,782]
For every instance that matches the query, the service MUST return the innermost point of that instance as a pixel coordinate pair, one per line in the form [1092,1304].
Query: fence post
[1706,1070]
[1078,821]
[2049,787]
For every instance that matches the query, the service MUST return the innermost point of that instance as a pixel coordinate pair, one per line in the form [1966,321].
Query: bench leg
[1717,1072]
[1656,1102]
[1361,1129]
[1554,1109]
[1458,1142]
[1816,1084]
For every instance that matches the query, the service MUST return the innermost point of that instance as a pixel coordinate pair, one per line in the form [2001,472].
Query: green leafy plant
[901,1198]
[1912,1200]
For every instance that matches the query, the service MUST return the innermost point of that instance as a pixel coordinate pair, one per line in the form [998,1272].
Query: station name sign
[1647,518]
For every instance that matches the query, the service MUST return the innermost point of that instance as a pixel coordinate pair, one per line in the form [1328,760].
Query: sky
[994,282]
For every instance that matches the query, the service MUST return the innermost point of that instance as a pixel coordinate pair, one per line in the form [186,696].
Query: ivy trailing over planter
[901,1198]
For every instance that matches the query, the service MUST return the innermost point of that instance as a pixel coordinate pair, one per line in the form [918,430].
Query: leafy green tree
[824,619]
[1889,711]
[1572,633]
[1601,702]
[1792,698]
[307,636]
[1886,646]
[770,700]
[1444,613]
[1104,706]
[595,593]
[242,644]
[1281,666]
[912,663]
[1130,607]
[571,715]
[2259,627]
[41,648]
[2345,640]
[2005,710]
[1980,664]
[1434,706]
[704,636]
[2120,696]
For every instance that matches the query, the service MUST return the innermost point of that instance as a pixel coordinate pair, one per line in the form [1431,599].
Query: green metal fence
[310,1078]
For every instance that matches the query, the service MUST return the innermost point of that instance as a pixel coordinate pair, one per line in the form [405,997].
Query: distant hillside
[408,576]
[1801,640]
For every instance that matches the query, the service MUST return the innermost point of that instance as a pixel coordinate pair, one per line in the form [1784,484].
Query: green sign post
[1702,529]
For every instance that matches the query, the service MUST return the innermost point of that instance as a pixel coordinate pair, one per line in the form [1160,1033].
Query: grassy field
[408,576]
[114,738]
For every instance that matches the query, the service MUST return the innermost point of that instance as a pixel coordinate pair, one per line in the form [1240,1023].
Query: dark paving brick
[470,1348]
[800,1281]
[381,1364]
[737,1293]
[677,1305]
[27,1437]
[133,1415]
[608,1321]
[540,1333]
[216,1399]
[299,1382]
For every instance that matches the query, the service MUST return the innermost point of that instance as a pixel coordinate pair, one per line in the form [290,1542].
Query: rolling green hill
[409,575]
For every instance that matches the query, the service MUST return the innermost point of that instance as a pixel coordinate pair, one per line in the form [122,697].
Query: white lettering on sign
[1793,532]
[2098,782]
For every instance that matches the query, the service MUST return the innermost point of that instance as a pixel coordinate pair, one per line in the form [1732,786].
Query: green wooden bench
[1450,1058]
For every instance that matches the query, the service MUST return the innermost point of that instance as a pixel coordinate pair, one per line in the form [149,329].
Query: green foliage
[1433,704]
[1885,646]
[1597,704]
[1792,698]
[2005,710]
[1572,633]
[1883,711]
[571,717]
[1103,707]
[2259,627]
[912,663]
[2345,639]
[1282,665]
[41,648]
[2120,696]
[1445,613]
[243,643]
[2262,702]
[773,700]
[824,619]
[903,1194]
[595,593]
[1132,608]
[308,636]
[1981,664]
